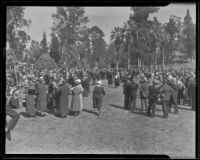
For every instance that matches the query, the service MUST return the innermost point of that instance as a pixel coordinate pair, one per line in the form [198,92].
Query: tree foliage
[69,23]
[55,48]
[15,36]
[43,44]
[98,45]
[189,38]
[45,62]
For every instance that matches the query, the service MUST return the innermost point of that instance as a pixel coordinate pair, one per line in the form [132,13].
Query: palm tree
[117,38]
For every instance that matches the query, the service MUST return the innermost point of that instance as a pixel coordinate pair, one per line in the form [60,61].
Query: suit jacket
[166,91]
[153,92]
[132,89]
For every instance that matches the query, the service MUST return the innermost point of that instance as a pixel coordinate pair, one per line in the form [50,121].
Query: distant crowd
[42,90]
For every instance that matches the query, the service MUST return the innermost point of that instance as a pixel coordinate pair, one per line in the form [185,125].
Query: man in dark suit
[152,97]
[166,91]
[125,86]
[132,93]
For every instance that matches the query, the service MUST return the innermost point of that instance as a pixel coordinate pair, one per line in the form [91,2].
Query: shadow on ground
[89,111]
[116,106]
[24,114]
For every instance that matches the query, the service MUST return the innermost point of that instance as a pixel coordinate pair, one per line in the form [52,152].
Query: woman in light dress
[77,100]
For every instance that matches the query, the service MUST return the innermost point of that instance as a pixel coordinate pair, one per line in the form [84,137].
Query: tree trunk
[117,61]
[163,64]
[128,57]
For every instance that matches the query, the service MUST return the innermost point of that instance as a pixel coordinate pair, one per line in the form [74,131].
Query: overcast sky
[104,17]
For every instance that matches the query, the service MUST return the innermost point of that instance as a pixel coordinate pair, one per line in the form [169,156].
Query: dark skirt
[30,104]
[97,101]
[117,82]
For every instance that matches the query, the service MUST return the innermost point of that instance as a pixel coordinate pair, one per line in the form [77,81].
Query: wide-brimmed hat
[78,81]
[99,82]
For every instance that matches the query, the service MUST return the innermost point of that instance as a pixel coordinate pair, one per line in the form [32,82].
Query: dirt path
[115,131]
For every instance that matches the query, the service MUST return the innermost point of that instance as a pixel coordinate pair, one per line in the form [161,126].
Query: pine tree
[54,48]
[189,34]
[43,44]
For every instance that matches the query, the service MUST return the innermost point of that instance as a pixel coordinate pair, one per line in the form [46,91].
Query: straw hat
[99,82]
[78,81]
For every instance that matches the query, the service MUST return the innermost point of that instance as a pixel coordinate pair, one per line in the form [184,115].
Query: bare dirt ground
[115,131]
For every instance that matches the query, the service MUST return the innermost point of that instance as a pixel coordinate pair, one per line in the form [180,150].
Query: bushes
[45,62]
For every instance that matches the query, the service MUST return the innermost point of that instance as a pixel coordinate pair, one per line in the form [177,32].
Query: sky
[105,18]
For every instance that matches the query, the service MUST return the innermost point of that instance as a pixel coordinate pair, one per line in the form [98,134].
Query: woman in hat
[77,101]
[63,92]
[98,94]
[30,100]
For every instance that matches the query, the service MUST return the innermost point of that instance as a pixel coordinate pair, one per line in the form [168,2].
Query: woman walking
[98,94]
[77,100]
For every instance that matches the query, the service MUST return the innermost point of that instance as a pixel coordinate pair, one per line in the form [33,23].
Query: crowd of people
[42,90]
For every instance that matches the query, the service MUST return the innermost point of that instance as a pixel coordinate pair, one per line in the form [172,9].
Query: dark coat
[86,87]
[63,93]
[166,91]
[132,89]
[192,88]
[41,97]
[30,102]
[98,94]
[153,93]
[110,78]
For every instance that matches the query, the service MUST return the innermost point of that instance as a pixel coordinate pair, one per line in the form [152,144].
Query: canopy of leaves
[55,48]
[189,38]
[45,62]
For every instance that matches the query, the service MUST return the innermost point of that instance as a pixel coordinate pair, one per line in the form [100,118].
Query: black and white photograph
[101,80]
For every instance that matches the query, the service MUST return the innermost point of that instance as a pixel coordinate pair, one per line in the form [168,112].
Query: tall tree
[43,44]
[55,48]
[141,32]
[35,51]
[173,28]
[98,45]
[189,39]
[15,37]
[117,38]
[68,25]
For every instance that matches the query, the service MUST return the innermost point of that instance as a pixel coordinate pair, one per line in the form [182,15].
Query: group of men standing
[153,91]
